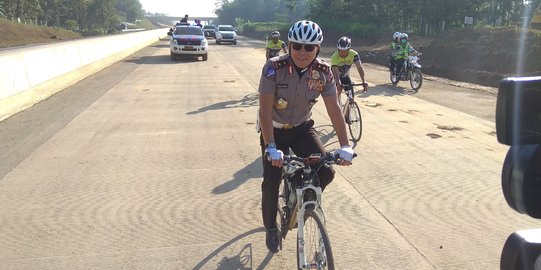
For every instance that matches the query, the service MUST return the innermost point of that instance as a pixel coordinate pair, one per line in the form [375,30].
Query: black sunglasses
[307,47]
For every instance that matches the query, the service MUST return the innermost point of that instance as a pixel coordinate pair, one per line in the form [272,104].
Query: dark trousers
[346,80]
[392,64]
[399,65]
[303,140]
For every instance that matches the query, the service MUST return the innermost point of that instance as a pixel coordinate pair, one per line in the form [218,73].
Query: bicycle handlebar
[329,158]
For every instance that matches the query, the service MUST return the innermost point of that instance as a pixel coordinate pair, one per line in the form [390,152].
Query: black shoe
[272,240]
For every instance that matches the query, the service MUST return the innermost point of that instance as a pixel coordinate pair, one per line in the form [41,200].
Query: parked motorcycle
[411,70]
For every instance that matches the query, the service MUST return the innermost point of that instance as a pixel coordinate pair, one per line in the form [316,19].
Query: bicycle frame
[350,93]
[350,97]
[299,209]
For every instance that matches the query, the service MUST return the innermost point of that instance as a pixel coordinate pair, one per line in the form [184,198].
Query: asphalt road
[154,164]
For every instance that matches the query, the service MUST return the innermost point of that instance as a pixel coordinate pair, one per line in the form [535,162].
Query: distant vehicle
[209,30]
[121,26]
[188,40]
[411,70]
[226,33]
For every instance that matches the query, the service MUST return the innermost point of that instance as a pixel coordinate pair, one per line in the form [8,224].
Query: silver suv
[226,33]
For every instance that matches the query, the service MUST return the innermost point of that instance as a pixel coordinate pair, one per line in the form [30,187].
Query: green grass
[265,28]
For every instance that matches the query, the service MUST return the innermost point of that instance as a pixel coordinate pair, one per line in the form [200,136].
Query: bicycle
[299,206]
[352,112]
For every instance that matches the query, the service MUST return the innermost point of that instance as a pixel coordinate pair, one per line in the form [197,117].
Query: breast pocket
[311,97]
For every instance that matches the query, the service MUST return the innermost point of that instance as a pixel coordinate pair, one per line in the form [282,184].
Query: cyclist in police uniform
[275,45]
[341,62]
[288,89]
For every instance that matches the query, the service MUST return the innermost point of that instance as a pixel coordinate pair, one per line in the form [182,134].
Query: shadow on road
[252,170]
[161,46]
[162,60]
[326,133]
[390,89]
[247,101]
[243,258]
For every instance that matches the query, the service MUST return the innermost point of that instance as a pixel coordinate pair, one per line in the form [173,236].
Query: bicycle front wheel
[355,122]
[316,250]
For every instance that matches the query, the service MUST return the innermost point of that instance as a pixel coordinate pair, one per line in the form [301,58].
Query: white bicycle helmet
[344,43]
[305,32]
[403,38]
[275,34]
[396,35]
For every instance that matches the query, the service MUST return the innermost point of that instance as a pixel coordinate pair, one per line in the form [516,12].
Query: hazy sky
[194,8]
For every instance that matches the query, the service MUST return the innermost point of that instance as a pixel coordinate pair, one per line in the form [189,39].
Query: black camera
[518,111]
[518,124]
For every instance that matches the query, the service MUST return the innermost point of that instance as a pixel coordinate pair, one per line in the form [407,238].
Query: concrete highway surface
[155,164]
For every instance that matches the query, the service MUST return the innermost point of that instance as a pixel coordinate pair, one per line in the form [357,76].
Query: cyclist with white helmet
[403,50]
[275,44]
[341,62]
[289,87]
[393,50]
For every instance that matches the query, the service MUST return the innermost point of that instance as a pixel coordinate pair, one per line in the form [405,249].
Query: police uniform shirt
[281,79]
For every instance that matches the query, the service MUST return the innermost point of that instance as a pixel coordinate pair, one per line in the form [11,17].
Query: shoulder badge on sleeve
[271,71]
[279,63]
[321,65]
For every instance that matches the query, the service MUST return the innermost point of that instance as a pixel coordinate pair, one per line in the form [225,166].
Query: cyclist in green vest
[274,45]
[341,62]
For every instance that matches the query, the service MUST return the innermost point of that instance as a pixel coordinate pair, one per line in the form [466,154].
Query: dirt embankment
[480,56]
[15,34]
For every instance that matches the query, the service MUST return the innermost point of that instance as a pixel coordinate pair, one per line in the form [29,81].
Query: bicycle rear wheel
[317,247]
[355,121]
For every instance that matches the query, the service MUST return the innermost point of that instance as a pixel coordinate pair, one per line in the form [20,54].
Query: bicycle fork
[315,204]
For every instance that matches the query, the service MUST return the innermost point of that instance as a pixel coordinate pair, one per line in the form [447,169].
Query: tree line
[86,16]
[369,17]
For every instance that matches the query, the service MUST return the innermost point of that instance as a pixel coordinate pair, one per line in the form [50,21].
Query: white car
[226,33]
[188,40]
